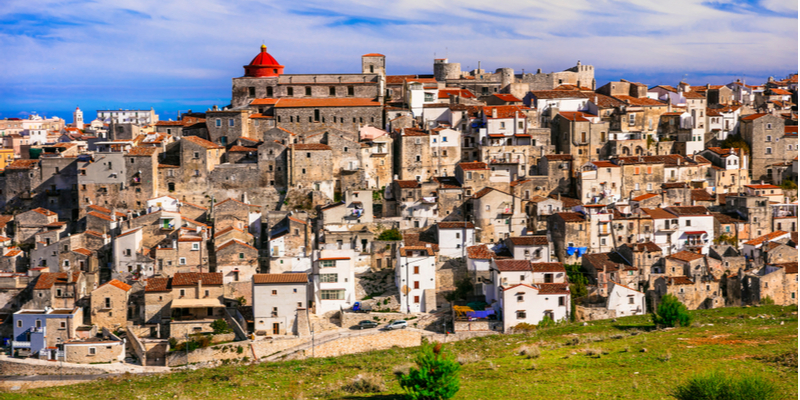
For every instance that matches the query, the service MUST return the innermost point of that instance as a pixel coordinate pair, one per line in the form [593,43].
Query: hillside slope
[626,359]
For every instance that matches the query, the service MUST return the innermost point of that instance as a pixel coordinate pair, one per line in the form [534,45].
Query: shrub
[767,301]
[671,312]
[390,234]
[547,322]
[220,326]
[593,352]
[719,386]
[367,383]
[530,351]
[239,349]
[436,375]
[524,327]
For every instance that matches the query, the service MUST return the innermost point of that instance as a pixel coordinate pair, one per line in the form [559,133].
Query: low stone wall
[10,367]
[229,351]
[136,345]
[480,325]
[265,348]
[441,338]
[360,344]
[593,313]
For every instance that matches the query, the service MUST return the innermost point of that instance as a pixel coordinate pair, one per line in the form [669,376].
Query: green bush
[671,312]
[436,375]
[767,301]
[547,322]
[719,386]
[390,234]
[220,326]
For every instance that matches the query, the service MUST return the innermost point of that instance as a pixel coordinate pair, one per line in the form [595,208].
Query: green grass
[600,361]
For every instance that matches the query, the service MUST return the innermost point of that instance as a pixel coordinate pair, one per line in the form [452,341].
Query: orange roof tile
[281,278]
[118,284]
[202,142]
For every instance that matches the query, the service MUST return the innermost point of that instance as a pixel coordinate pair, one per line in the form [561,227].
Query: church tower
[77,118]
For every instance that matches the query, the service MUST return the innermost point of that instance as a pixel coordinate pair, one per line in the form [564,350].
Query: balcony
[669,228]
[23,345]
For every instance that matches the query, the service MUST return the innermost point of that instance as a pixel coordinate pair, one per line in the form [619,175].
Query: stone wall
[360,344]
[474,326]
[593,313]
[10,367]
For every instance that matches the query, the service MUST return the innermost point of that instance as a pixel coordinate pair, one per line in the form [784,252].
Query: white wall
[405,276]
[625,301]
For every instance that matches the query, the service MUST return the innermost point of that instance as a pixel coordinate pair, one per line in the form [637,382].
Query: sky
[179,55]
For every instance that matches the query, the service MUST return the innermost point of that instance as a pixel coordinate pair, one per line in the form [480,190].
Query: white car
[399,324]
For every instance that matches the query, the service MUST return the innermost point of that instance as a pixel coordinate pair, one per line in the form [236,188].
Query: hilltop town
[463,203]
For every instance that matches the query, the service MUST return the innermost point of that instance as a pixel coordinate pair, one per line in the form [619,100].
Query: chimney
[494,112]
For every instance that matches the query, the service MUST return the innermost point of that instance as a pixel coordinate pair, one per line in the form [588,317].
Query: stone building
[569,232]
[754,210]
[580,135]
[769,143]
[236,260]
[29,223]
[109,305]
[498,215]
[198,158]
[311,168]
[59,289]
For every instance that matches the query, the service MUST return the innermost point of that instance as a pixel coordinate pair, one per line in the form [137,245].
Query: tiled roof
[608,262]
[47,279]
[688,211]
[553,288]
[558,157]
[644,197]
[687,256]
[326,102]
[658,213]
[504,112]
[507,97]
[513,265]
[646,246]
[404,251]
[414,132]
[528,240]
[455,225]
[679,280]
[765,238]
[191,278]
[281,278]
[480,252]
[752,117]
[157,285]
[139,151]
[408,184]
[202,142]
[263,102]
[101,216]
[640,101]
[242,149]
[235,241]
[604,101]
[311,146]
[548,267]
[576,116]
[44,211]
[789,268]
[22,164]
[727,219]
[101,209]
[762,186]
[561,94]
[702,195]
[471,166]
[571,216]
[118,284]
[83,251]
[448,182]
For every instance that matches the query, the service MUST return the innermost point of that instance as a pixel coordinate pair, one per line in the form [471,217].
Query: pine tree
[436,377]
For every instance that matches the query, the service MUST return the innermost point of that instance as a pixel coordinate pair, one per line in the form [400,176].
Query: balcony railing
[24,345]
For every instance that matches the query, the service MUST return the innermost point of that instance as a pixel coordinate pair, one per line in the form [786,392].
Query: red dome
[263,65]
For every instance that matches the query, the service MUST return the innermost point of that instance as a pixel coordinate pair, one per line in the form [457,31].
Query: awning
[196,303]
[696,233]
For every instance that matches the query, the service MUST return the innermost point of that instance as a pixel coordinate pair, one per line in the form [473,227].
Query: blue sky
[179,55]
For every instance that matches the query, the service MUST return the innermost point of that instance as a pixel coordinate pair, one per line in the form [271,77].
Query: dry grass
[530,351]
[593,351]
[469,358]
[365,383]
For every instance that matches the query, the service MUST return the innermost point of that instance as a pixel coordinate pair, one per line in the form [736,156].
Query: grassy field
[626,359]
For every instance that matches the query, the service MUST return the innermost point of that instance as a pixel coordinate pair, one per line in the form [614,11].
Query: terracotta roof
[373,55]
[446,92]
[687,256]
[157,285]
[118,284]
[85,252]
[471,166]
[263,102]
[725,152]
[608,262]
[44,211]
[448,182]
[752,117]
[679,280]
[727,219]
[644,197]
[414,132]
[553,288]
[789,268]
[404,250]
[687,211]
[576,116]
[326,102]
[571,216]
[640,101]
[480,252]
[561,94]
[310,146]
[702,195]
[504,112]
[47,279]
[408,184]
[191,278]
[548,267]
[455,225]
[528,240]
[22,164]
[513,265]
[101,209]
[297,220]
[242,149]
[762,186]
[693,95]
[658,213]
[139,151]
[765,238]
[13,252]
[558,157]
[101,216]
[235,241]
[202,142]
[646,246]
[93,233]
[281,278]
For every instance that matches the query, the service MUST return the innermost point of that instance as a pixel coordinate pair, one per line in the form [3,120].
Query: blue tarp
[480,314]
[579,250]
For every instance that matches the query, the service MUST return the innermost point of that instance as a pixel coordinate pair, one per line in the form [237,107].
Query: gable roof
[480,252]
[118,284]
[281,278]
[765,238]
[548,267]
[191,278]
[157,285]
[513,265]
[528,240]
[235,241]
[686,256]
[202,142]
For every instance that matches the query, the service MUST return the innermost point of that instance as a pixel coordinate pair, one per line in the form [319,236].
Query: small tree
[767,301]
[390,234]
[671,312]
[220,326]
[436,377]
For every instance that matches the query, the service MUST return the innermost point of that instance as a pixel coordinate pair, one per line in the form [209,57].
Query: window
[332,91]
[206,293]
[269,91]
[332,294]
[251,91]
[290,91]
[630,300]
[636,171]
[416,269]
[769,126]
[521,315]
[231,122]
[218,123]
[416,284]
[328,263]
[561,300]
[92,351]
[329,278]
[195,246]
[196,154]
[182,261]
[688,222]
[632,119]
[308,90]
[769,150]
[351,91]
[19,323]
[241,256]
[107,302]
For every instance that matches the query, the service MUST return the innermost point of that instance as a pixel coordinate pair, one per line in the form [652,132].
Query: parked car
[399,324]
[367,324]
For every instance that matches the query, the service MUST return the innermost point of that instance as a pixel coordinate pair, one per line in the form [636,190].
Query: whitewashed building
[415,277]
[334,280]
